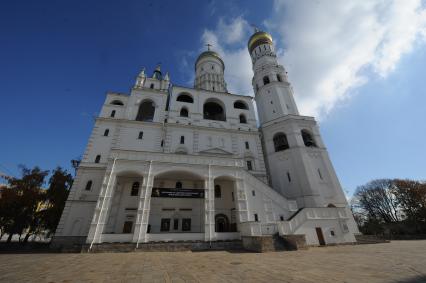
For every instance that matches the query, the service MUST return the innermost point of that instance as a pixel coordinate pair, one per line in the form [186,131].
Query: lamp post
[75,163]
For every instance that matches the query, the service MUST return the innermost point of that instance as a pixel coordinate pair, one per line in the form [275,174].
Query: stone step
[165,246]
[369,239]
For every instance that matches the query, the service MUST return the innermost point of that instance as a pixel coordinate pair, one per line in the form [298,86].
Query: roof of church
[210,53]
[258,38]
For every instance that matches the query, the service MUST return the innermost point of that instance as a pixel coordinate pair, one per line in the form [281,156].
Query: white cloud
[325,45]
[328,44]
[229,39]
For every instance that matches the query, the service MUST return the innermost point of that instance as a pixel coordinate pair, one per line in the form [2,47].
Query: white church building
[169,163]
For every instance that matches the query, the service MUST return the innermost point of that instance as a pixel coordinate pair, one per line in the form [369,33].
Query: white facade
[169,163]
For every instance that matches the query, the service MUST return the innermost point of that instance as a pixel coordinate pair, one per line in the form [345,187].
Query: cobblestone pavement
[398,261]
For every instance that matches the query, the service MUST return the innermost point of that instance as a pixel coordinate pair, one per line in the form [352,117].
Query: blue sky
[359,68]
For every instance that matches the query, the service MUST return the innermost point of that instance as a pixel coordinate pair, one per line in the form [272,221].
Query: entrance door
[127,228]
[222,223]
[320,236]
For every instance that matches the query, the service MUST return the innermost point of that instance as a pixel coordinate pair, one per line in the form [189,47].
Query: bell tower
[297,161]
[209,72]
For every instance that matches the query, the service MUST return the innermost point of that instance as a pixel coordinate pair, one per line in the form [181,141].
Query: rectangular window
[247,145]
[288,177]
[232,195]
[140,136]
[127,227]
[249,165]
[217,191]
[319,174]
[281,218]
[175,224]
[182,139]
[256,218]
[162,143]
[186,224]
[165,224]
[106,133]
[253,193]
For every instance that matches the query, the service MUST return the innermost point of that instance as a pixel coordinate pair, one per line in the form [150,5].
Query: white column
[241,202]
[209,222]
[144,207]
[102,206]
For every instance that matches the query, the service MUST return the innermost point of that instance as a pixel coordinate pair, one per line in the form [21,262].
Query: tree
[9,209]
[377,198]
[56,196]
[411,197]
[20,202]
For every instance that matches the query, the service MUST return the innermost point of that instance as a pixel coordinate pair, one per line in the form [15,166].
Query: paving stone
[398,261]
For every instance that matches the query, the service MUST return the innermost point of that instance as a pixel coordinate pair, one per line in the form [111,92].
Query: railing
[251,228]
[311,213]
[116,238]
[171,237]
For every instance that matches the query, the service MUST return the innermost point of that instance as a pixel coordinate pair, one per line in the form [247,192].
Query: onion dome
[157,73]
[209,53]
[259,38]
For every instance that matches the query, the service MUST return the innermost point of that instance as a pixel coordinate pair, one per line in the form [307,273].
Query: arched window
[279,78]
[184,112]
[243,119]
[135,189]
[97,158]
[88,185]
[308,140]
[280,142]
[183,97]
[117,102]
[217,191]
[266,80]
[112,113]
[182,139]
[179,185]
[331,205]
[106,133]
[213,111]
[240,105]
[221,223]
[146,111]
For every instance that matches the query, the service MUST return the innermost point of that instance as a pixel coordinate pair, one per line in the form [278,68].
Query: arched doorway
[177,203]
[221,223]
[124,203]
[225,204]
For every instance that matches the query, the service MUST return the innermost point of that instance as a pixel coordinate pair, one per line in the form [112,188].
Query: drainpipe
[210,209]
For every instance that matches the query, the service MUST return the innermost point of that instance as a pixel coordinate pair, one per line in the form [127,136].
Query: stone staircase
[369,239]
[164,246]
[274,243]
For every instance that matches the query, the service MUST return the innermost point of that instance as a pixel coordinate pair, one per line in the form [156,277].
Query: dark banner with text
[177,193]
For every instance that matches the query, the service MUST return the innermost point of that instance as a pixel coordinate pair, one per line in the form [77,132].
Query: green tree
[20,203]
[59,185]
[411,197]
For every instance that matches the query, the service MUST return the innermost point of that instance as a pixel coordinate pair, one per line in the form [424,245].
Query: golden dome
[209,53]
[259,38]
